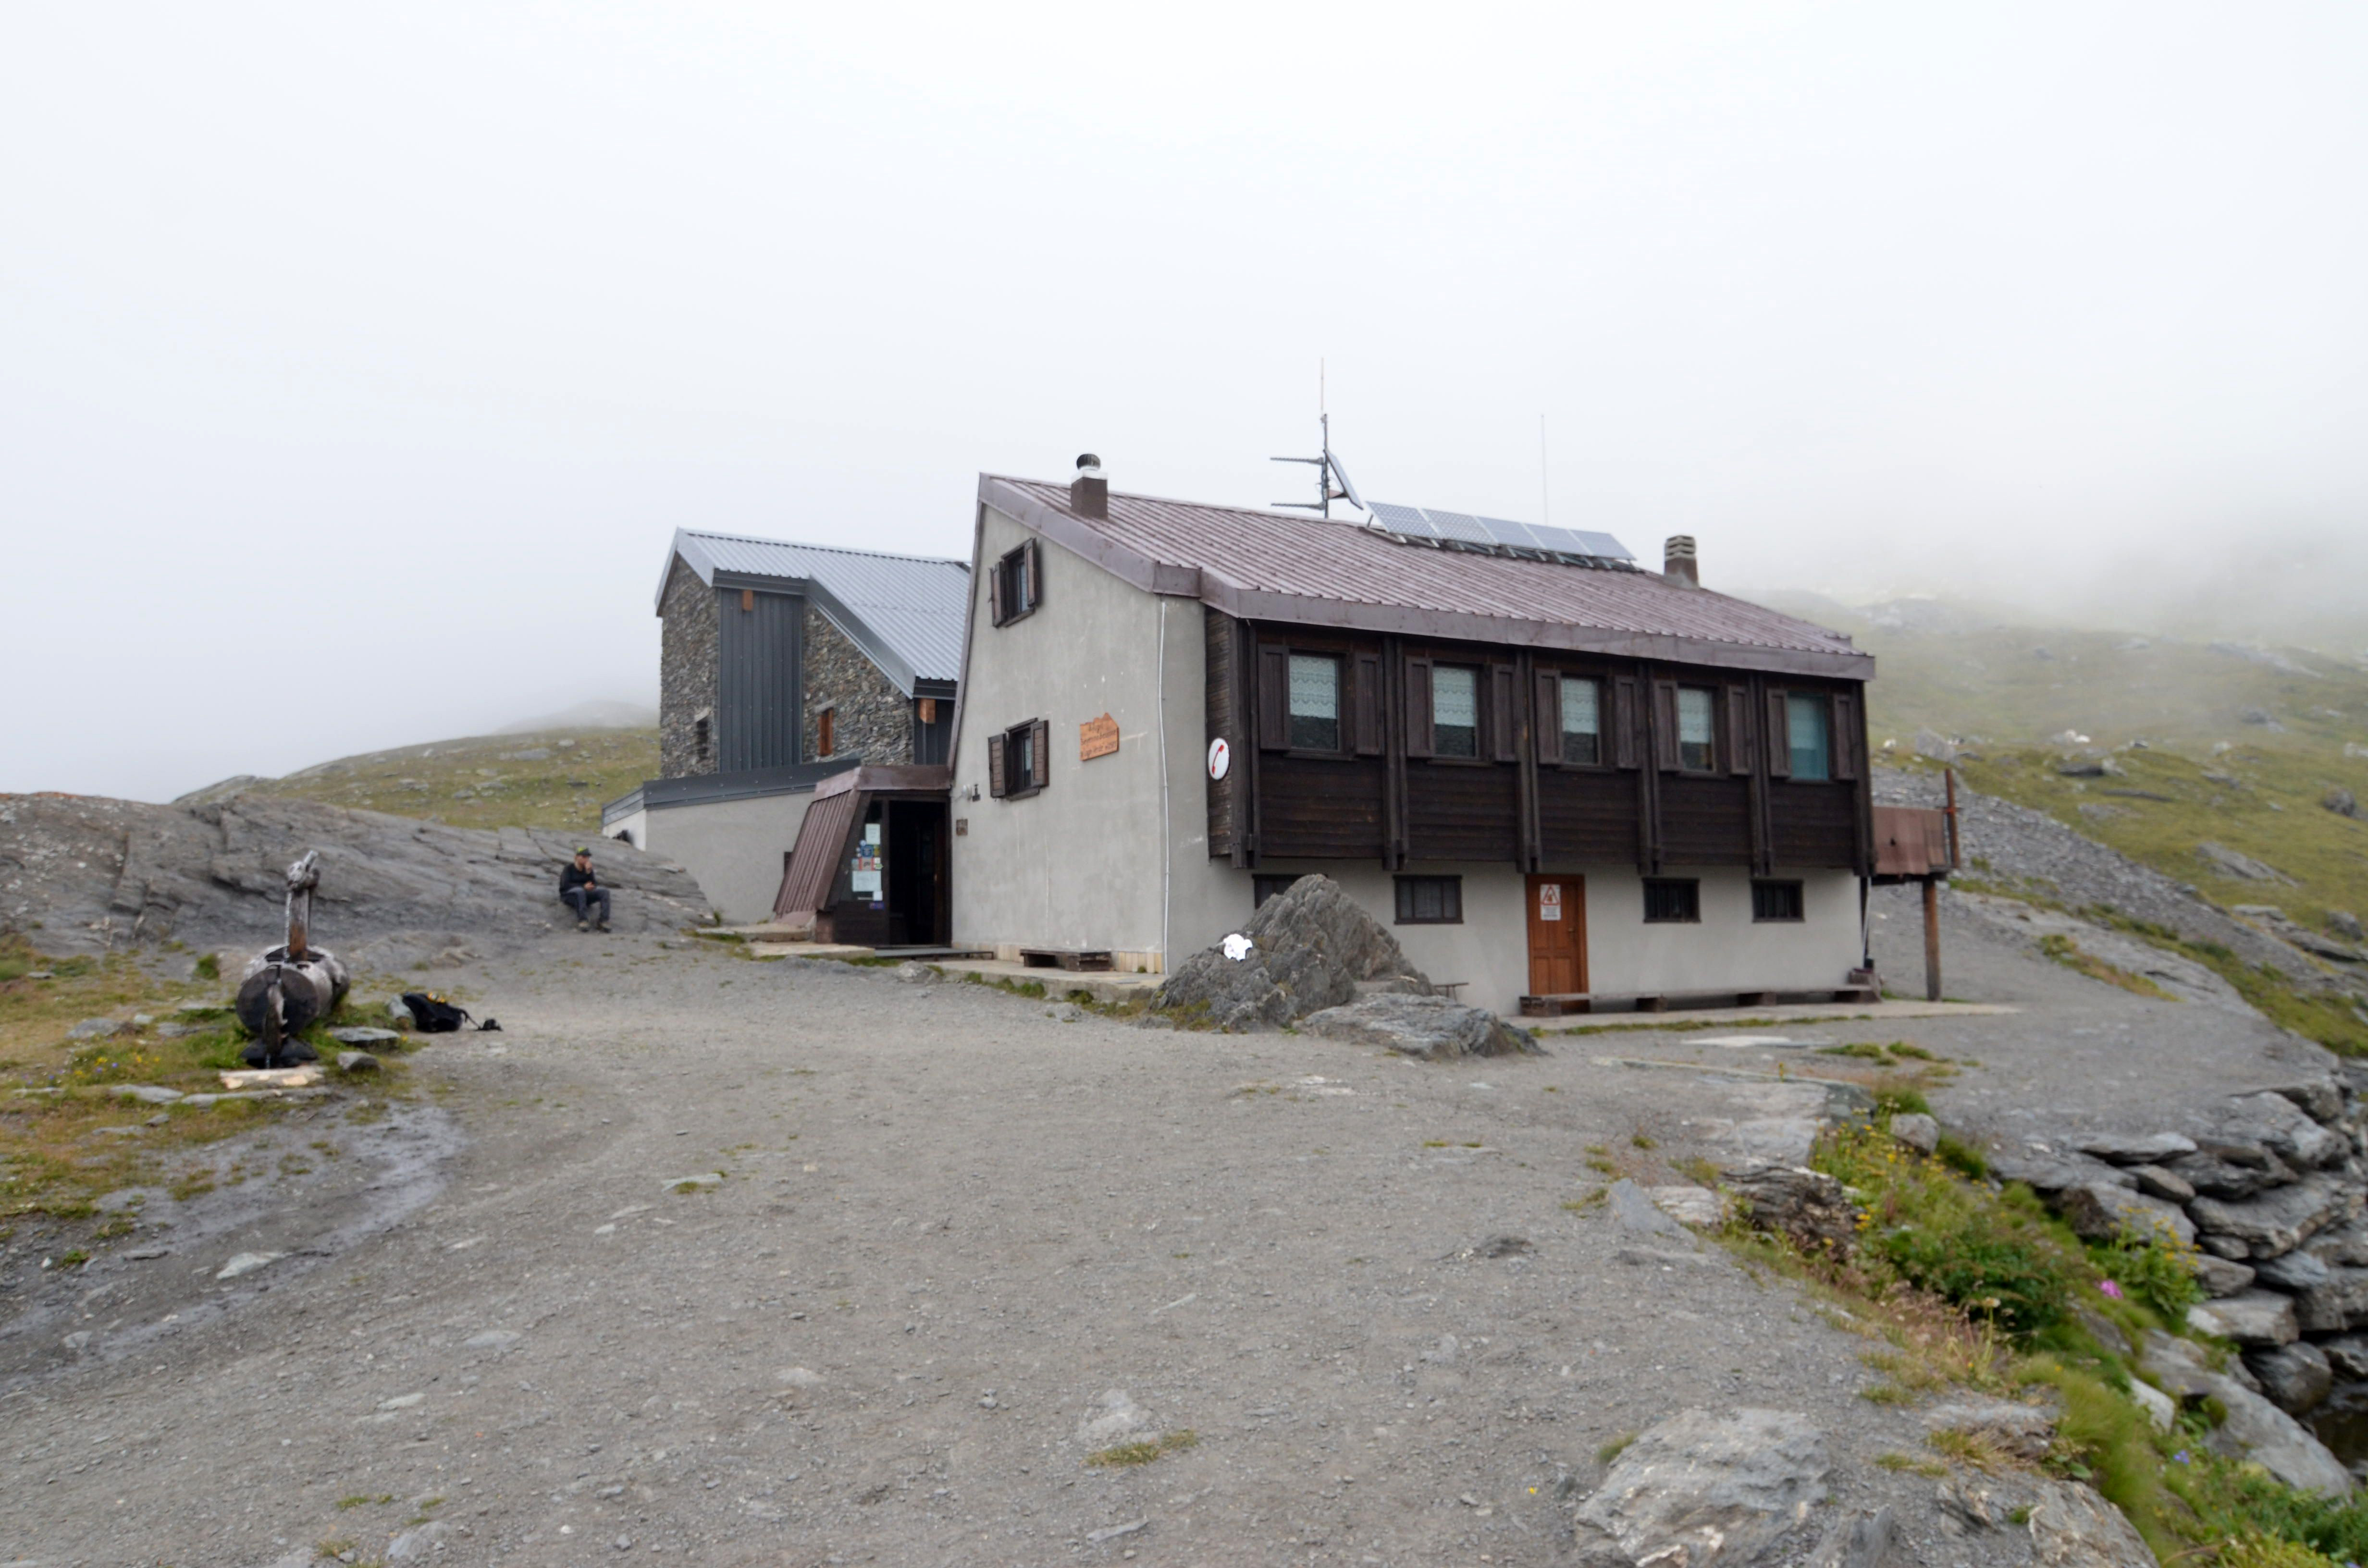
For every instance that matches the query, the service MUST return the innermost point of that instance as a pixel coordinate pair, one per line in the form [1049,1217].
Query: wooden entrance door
[1557,936]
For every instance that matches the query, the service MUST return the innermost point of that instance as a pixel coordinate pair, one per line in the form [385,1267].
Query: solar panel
[1407,520]
[1501,533]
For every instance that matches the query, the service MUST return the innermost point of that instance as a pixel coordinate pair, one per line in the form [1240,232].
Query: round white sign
[1220,757]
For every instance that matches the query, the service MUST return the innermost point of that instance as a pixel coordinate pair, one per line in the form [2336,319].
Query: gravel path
[960,1246]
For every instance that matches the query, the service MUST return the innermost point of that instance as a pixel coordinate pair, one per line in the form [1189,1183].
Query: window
[1805,726]
[1018,760]
[1017,586]
[1776,901]
[1672,900]
[1454,710]
[1264,888]
[1430,901]
[701,740]
[1315,702]
[1694,725]
[1582,719]
[826,731]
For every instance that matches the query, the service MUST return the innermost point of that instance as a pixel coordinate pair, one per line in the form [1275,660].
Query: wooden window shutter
[1417,708]
[1738,729]
[1034,594]
[1780,738]
[1624,721]
[1505,712]
[1665,726]
[998,612]
[1041,751]
[1547,718]
[1845,737]
[1274,696]
[996,777]
[1366,702]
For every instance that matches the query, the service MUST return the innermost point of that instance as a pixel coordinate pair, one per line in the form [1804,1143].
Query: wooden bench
[1076,958]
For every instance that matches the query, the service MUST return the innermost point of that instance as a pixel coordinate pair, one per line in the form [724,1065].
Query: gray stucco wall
[872,718]
[1079,864]
[734,847]
[687,670]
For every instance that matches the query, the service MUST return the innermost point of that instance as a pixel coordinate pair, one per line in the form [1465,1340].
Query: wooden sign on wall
[1096,737]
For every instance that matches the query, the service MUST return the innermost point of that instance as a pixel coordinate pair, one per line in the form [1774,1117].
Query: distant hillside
[557,778]
[2236,745]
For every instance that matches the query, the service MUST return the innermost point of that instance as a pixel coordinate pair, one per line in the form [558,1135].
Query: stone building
[781,664]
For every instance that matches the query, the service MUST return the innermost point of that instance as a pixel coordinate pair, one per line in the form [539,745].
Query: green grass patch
[2063,950]
[1615,1448]
[1126,1455]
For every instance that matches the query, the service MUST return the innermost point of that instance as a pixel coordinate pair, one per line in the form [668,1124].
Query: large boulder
[2295,1378]
[1432,1028]
[1700,1489]
[1310,947]
[2285,1129]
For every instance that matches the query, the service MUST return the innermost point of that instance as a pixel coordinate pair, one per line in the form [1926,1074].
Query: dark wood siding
[1705,820]
[1815,824]
[1222,794]
[1586,817]
[1461,812]
[1316,807]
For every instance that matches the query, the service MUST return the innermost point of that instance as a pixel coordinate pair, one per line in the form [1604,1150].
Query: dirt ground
[961,1244]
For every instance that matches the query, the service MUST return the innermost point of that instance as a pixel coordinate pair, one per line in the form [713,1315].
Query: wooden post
[1951,775]
[1931,939]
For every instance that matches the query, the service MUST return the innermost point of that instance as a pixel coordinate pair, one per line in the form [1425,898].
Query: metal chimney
[1089,492]
[1677,561]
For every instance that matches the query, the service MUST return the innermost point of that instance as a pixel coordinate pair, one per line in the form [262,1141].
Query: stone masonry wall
[688,671]
[874,719]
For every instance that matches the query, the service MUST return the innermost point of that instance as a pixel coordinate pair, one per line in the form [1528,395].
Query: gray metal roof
[905,611]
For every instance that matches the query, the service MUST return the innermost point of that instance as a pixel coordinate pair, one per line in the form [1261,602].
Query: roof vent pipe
[1089,492]
[1677,561]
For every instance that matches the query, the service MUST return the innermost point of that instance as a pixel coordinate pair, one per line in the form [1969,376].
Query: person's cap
[584,851]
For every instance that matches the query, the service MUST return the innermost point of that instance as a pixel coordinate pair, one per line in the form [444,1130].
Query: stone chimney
[1677,561]
[1089,492]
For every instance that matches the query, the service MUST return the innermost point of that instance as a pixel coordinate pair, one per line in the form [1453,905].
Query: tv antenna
[1332,481]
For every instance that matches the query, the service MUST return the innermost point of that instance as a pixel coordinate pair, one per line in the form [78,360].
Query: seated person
[582,892]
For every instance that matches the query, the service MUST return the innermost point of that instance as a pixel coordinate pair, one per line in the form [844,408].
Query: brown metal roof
[1266,566]
[812,868]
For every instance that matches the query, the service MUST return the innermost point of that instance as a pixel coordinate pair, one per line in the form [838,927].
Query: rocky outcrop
[83,874]
[1309,947]
[2253,1428]
[1811,1207]
[1432,1028]
[1702,1489]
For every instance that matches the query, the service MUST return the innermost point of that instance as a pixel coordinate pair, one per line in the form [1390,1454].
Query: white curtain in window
[1454,697]
[1315,686]
[1578,708]
[1694,715]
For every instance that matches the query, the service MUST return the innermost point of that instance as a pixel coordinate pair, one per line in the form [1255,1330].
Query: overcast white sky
[356,362]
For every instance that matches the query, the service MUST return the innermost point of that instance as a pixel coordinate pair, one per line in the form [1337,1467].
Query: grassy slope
[1981,677]
[487,780]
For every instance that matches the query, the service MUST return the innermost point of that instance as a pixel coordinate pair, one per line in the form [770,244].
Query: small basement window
[1264,888]
[1454,710]
[1695,753]
[1776,901]
[1582,719]
[1672,900]
[1315,702]
[1804,725]
[702,743]
[1430,901]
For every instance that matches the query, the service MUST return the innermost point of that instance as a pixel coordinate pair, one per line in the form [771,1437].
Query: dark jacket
[575,877]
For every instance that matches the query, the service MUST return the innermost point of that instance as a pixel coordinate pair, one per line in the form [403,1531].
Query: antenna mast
[1332,481]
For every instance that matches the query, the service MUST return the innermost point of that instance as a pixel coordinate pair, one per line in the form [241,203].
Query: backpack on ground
[431,1017]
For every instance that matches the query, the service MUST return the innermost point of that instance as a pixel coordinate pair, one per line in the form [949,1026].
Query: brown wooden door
[1557,936]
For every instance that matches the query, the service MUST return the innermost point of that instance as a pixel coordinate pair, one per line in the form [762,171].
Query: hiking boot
[584,925]
[604,925]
